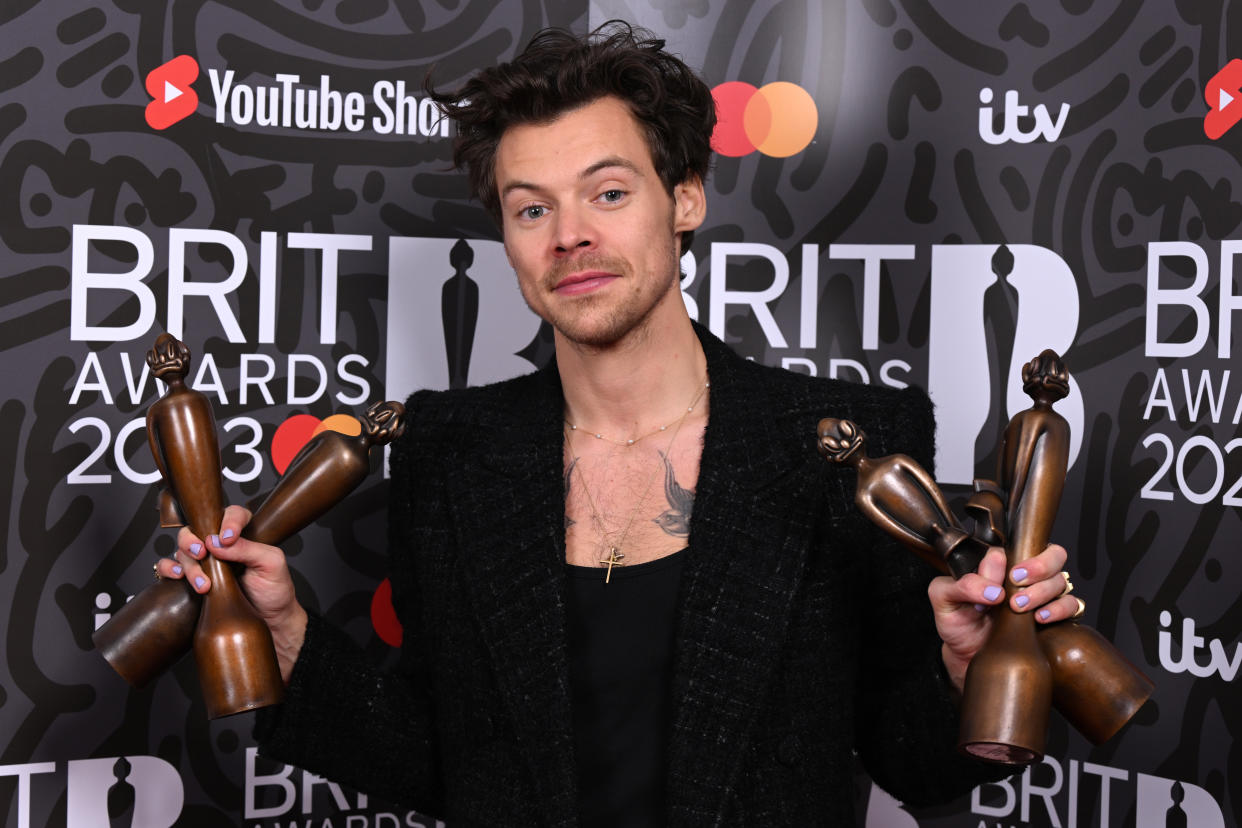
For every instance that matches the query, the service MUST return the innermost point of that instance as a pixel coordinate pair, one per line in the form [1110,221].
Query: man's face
[588,225]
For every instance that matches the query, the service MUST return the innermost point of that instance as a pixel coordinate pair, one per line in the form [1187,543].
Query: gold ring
[1069,585]
[1082,607]
[155,568]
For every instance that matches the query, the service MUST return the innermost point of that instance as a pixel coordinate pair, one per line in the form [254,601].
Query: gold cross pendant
[614,559]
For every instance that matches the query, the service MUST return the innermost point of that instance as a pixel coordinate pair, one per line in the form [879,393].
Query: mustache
[587,261]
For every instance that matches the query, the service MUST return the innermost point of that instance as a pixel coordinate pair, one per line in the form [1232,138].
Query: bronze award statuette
[1008,691]
[151,632]
[321,474]
[158,625]
[147,635]
[899,496]
[1004,709]
[1094,686]
[237,666]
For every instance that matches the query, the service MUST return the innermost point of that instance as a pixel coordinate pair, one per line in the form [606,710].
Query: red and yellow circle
[778,119]
[297,431]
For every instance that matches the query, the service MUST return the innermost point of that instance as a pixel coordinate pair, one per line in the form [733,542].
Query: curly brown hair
[560,71]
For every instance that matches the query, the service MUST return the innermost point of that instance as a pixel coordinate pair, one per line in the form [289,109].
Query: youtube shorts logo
[169,87]
[1222,94]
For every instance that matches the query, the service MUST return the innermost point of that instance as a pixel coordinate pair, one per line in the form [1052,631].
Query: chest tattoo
[675,520]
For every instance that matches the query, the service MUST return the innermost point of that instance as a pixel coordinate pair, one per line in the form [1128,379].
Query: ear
[689,205]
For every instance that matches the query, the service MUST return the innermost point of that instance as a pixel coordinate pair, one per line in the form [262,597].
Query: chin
[604,332]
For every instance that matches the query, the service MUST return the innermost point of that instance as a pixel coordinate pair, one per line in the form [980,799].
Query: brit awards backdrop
[904,193]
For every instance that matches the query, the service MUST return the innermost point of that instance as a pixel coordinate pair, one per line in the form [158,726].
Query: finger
[190,543]
[981,589]
[251,554]
[1067,606]
[169,568]
[235,519]
[1038,594]
[192,572]
[1044,565]
[948,595]
[992,567]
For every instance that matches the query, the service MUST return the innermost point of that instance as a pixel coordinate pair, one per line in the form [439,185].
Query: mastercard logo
[778,119]
[298,430]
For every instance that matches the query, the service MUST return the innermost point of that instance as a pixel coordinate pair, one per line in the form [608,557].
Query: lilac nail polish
[1022,600]
[200,582]
[228,533]
[980,608]
[1044,615]
[992,593]
[176,569]
[214,540]
[1019,574]
[196,549]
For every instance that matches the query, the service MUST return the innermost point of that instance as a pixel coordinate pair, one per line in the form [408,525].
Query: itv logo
[1045,127]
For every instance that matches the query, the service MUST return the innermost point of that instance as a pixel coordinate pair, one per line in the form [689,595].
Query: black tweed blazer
[803,634]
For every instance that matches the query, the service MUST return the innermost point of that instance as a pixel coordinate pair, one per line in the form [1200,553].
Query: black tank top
[620,670]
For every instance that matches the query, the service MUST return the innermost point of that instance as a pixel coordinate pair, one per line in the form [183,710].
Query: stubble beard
[622,317]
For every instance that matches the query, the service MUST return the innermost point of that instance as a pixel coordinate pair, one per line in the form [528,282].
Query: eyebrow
[598,166]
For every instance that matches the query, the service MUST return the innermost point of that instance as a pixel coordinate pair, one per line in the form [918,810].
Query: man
[632,593]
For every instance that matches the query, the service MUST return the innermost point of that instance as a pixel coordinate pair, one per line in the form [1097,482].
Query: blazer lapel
[749,535]
[513,556]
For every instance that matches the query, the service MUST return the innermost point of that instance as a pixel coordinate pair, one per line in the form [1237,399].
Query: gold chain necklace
[615,556]
[598,436]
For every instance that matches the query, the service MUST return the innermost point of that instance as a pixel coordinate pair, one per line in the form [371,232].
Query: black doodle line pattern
[896,159]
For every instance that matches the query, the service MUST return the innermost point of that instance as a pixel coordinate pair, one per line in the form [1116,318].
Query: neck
[636,385]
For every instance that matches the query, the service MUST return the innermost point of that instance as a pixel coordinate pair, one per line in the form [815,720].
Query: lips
[583,281]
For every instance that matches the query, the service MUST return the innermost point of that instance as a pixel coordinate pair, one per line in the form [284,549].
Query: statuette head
[1045,378]
[169,358]
[839,439]
[384,421]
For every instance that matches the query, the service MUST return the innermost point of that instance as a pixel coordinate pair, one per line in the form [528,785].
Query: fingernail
[200,582]
[214,540]
[1019,575]
[196,549]
[176,569]
[1022,601]
[992,593]
[1044,615]
[980,608]
[228,533]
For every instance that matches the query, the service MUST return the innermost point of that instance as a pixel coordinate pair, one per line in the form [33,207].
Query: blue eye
[532,212]
[612,196]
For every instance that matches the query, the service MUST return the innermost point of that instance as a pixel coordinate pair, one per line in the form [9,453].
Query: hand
[960,605]
[265,580]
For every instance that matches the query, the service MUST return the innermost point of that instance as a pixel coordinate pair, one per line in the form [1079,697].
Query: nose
[573,232]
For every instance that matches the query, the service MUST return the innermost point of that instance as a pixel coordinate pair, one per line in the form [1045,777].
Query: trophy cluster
[233,648]
[1022,670]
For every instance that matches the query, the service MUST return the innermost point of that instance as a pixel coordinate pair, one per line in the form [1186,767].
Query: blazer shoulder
[441,425]
[797,387]
[493,404]
[894,419]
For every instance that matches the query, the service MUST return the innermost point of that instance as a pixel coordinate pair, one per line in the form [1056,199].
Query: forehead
[572,143]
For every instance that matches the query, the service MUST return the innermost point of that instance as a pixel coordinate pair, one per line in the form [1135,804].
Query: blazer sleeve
[907,727]
[343,717]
